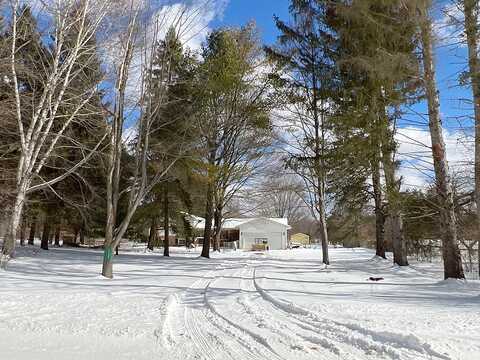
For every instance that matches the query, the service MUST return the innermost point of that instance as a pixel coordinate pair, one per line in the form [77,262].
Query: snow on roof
[198,222]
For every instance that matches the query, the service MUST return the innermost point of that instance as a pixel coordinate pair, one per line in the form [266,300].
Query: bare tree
[41,133]
[281,197]
[139,44]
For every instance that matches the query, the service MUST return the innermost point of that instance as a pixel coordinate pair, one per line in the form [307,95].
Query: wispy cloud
[414,153]
[449,26]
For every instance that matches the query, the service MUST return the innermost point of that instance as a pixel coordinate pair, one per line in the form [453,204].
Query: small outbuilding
[300,238]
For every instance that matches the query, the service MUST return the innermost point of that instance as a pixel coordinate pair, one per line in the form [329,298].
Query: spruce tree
[173,135]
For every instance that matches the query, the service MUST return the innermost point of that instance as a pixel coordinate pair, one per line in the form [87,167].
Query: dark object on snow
[371,278]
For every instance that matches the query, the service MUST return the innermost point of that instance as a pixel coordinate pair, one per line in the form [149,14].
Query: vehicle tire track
[196,331]
[288,338]
[396,346]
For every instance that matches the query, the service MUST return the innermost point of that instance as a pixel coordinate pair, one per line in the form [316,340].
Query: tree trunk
[207,233]
[319,170]
[394,207]
[23,230]
[323,233]
[471,29]
[33,227]
[10,239]
[379,214]
[82,234]
[107,268]
[218,228]
[57,235]
[166,222]
[215,229]
[153,234]
[451,254]
[45,234]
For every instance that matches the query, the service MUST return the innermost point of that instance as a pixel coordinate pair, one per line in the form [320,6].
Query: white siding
[275,234]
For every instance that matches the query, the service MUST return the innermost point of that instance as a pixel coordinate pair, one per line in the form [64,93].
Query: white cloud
[191,20]
[449,26]
[415,155]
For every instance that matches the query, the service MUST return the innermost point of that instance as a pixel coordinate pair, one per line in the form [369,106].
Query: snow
[238,305]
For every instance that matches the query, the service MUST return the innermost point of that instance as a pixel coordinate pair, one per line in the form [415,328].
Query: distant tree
[281,198]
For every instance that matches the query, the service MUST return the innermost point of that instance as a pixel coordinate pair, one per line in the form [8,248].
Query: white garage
[247,232]
[269,231]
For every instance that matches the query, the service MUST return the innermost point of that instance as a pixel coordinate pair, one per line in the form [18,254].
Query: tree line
[349,72]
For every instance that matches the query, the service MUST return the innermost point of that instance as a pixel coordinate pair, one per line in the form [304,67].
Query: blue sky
[239,12]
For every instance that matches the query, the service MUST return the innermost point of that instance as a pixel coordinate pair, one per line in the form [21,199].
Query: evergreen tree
[173,121]
[378,72]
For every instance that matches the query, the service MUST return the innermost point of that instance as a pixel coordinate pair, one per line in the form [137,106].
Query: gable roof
[281,221]
[198,222]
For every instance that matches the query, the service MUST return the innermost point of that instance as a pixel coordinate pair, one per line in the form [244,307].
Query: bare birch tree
[44,129]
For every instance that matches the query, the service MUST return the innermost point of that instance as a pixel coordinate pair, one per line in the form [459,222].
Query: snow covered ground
[238,305]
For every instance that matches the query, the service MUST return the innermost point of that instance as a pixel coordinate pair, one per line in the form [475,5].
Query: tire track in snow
[196,331]
[298,335]
[288,338]
[394,345]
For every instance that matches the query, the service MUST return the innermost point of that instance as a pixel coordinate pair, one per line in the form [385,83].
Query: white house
[271,231]
[247,232]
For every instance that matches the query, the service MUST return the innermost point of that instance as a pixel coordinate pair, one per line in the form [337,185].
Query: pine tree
[376,55]
[173,121]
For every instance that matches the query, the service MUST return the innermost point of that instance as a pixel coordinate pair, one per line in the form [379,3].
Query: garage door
[274,240]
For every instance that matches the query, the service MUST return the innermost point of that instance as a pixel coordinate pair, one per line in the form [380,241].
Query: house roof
[198,222]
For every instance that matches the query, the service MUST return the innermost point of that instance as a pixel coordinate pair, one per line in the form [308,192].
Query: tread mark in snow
[383,342]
